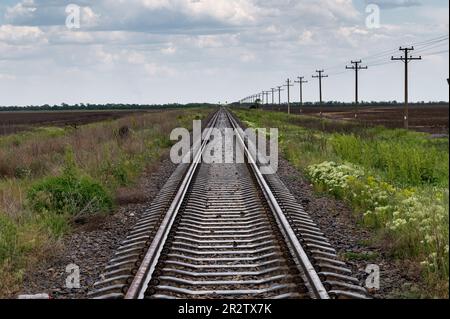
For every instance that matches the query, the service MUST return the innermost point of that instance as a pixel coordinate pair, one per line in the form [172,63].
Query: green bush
[417,220]
[115,174]
[55,224]
[69,194]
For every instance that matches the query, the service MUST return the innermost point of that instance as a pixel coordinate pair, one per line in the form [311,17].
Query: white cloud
[248,57]
[8,77]
[170,50]
[156,70]
[392,4]
[306,37]
[22,10]
[21,35]
[147,41]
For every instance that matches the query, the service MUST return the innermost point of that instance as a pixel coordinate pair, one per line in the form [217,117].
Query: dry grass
[395,180]
[113,153]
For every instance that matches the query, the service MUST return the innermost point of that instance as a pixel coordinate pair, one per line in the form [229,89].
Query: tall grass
[49,175]
[396,181]
[404,159]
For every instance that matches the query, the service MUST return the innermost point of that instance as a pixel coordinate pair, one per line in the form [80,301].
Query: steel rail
[144,274]
[302,259]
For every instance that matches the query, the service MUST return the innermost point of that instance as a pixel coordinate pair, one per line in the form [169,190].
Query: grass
[49,176]
[395,180]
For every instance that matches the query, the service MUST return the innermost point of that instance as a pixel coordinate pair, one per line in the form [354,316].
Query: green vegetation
[51,176]
[396,181]
[71,193]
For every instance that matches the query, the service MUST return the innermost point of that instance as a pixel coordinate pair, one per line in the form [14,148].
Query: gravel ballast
[354,243]
[93,242]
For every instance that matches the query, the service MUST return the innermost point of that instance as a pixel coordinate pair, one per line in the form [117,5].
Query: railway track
[226,231]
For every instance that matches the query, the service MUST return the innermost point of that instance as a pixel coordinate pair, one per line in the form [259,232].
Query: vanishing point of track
[226,231]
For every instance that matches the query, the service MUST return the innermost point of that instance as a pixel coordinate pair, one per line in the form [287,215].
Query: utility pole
[301,82]
[356,66]
[266,93]
[273,96]
[280,88]
[320,77]
[406,59]
[288,85]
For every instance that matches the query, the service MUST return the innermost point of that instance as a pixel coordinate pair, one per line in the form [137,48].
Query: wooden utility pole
[320,77]
[406,59]
[301,82]
[267,96]
[280,88]
[273,96]
[288,85]
[356,66]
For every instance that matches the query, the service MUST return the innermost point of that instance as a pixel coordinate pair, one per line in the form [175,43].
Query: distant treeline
[102,107]
[112,106]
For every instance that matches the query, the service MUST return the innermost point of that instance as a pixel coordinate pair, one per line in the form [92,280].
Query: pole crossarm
[406,59]
[280,89]
[301,81]
[320,76]
[356,66]
[288,85]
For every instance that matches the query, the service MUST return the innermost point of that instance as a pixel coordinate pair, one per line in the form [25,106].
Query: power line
[381,63]
[442,37]
[432,48]
[427,47]
[437,52]
[380,56]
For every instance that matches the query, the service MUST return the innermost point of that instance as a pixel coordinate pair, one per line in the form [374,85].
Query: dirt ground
[93,241]
[13,122]
[432,119]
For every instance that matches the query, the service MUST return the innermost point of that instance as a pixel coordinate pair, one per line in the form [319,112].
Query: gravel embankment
[93,242]
[336,220]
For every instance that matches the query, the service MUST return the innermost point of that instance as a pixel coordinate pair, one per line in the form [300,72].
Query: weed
[396,181]
[48,176]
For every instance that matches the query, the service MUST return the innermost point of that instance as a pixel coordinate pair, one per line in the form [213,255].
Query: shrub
[408,160]
[333,177]
[69,194]
[115,174]
[417,220]
[55,224]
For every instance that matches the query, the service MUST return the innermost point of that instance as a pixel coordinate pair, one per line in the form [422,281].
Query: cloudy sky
[163,51]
